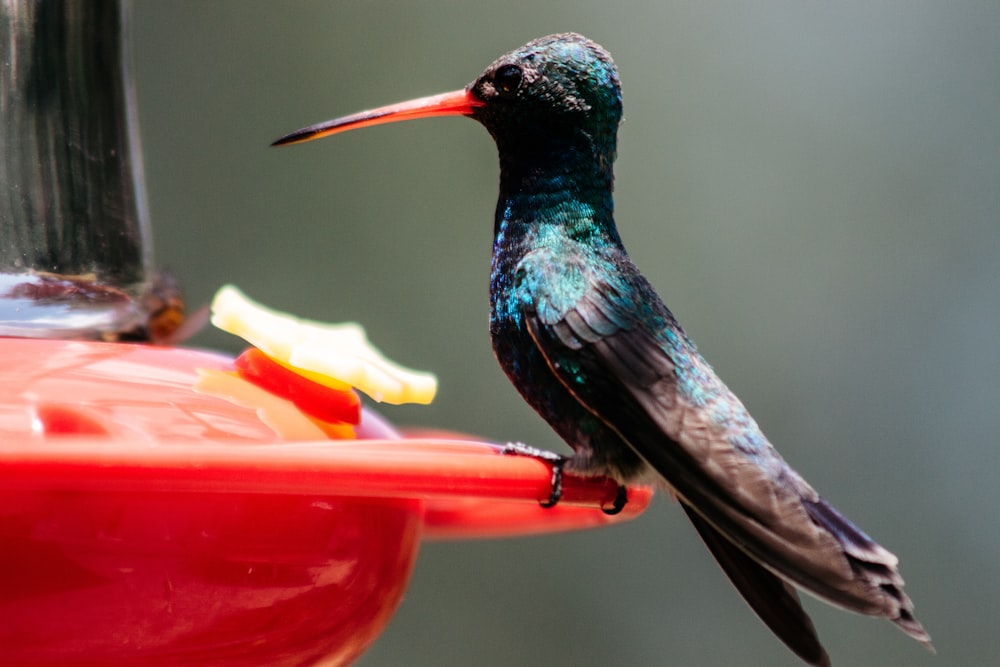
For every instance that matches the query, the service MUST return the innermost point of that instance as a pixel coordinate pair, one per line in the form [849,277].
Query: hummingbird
[588,343]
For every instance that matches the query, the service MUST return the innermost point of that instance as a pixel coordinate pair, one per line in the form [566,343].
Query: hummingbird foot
[557,461]
[557,484]
[621,499]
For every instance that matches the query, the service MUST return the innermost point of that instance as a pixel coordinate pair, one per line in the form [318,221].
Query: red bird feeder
[150,517]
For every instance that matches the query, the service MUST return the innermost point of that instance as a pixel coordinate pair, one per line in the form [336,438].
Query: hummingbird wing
[607,337]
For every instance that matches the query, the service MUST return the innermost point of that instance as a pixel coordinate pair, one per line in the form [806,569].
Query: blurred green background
[814,188]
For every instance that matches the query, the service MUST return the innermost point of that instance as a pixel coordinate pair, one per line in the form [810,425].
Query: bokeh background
[813,187]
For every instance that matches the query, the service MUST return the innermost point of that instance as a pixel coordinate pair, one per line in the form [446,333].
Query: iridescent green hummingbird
[590,346]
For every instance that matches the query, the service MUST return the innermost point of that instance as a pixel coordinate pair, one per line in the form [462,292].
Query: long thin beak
[456,103]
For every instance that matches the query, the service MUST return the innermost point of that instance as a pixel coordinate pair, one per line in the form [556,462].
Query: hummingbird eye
[507,79]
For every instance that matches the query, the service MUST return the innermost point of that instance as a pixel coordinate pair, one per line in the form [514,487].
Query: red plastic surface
[312,398]
[157,509]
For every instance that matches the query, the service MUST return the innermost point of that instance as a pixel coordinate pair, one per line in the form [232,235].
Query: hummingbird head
[555,98]
[557,89]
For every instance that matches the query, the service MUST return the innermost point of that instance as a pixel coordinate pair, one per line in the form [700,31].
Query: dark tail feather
[872,563]
[774,601]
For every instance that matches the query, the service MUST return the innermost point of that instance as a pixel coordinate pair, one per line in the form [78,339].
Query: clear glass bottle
[74,231]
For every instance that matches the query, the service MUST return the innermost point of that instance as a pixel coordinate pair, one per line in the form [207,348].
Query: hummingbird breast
[598,448]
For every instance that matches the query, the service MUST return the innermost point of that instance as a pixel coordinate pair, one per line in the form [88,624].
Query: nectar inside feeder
[177,505]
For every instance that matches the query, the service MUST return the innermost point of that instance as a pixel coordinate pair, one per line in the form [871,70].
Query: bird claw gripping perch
[558,463]
[557,484]
[621,499]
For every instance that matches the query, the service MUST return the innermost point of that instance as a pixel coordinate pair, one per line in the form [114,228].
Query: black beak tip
[299,136]
[287,139]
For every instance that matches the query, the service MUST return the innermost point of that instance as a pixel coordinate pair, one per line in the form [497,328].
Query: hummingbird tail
[874,565]
[774,601]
